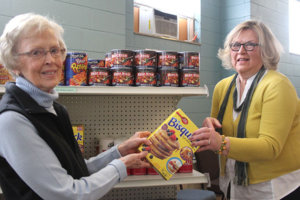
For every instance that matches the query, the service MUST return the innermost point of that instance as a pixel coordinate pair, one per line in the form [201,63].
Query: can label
[76,69]
[145,79]
[99,78]
[122,78]
[169,60]
[191,79]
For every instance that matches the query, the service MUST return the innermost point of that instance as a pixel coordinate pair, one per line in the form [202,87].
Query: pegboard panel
[116,116]
[142,193]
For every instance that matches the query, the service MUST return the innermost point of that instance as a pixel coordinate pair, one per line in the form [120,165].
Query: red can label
[193,61]
[108,61]
[168,60]
[170,79]
[122,59]
[145,79]
[190,79]
[145,60]
[99,78]
[122,78]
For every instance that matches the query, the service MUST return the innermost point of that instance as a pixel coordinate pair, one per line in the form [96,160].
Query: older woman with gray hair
[255,119]
[39,156]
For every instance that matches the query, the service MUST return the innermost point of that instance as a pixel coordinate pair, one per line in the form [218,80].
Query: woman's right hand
[136,160]
[211,122]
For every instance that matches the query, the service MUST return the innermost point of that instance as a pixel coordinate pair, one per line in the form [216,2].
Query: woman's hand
[211,122]
[136,160]
[131,145]
[207,139]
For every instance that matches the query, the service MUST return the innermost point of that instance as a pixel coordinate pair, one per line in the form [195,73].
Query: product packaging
[78,131]
[171,147]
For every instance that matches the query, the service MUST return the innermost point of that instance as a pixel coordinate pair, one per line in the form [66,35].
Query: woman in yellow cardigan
[255,119]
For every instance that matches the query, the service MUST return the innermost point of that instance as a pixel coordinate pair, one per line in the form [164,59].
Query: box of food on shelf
[78,130]
[5,75]
[170,145]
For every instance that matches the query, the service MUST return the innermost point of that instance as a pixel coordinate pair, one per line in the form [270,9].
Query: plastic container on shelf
[108,60]
[122,57]
[168,58]
[151,171]
[146,58]
[189,77]
[145,76]
[99,76]
[188,59]
[168,76]
[122,76]
[139,171]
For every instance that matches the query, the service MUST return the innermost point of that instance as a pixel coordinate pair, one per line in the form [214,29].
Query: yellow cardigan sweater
[271,147]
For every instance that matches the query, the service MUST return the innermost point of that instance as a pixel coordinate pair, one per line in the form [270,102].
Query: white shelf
[157,180]
[112,90]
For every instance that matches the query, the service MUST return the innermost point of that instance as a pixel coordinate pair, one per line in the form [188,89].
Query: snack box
[5,75]
[171,146]
[78,131]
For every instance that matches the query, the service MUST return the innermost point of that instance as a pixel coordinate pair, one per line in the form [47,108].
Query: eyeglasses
[39,53]
[248,46]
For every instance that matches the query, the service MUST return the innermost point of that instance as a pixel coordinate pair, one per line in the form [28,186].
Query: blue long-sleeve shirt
[34,161]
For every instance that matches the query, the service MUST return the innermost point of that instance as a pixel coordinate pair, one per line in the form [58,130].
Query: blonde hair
[270,46]
[21,25]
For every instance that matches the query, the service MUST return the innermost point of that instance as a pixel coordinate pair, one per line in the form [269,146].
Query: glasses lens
[249,46]
[37,53]
[55,52]
[235,46]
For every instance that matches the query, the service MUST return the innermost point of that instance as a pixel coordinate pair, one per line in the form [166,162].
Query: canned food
[168,58]
[151,171]
[122,57]
[76,68]
[189,77]
[168,76]
[99,76]
[5,75]
[108,60]
[139,171]
[145,76]
[96,63]
[122,76]
[145,58]
[189,59]
[62,80]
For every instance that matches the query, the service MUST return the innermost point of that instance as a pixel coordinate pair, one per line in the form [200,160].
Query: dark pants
[293,195]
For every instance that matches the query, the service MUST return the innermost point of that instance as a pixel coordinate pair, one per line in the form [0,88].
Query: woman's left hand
[207,139]
[130,146]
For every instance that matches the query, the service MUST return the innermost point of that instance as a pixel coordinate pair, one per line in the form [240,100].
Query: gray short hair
[270,46]
[21,25]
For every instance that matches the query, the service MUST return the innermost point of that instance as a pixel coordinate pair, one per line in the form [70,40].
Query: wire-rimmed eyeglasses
[248,46]
[39,53]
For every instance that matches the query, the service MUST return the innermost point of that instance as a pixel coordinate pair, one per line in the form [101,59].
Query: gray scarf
[241,175]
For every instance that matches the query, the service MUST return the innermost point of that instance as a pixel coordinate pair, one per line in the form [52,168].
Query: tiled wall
[275,14]
[96,27]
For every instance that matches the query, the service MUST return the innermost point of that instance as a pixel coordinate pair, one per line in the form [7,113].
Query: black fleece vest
[55,130]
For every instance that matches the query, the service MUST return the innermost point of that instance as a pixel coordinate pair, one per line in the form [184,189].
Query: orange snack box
[171,146]
[5,75]
[78,131]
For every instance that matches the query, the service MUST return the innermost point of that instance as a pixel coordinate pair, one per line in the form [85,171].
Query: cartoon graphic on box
[170,145]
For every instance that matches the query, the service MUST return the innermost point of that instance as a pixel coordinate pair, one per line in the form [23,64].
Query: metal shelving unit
[120,112]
